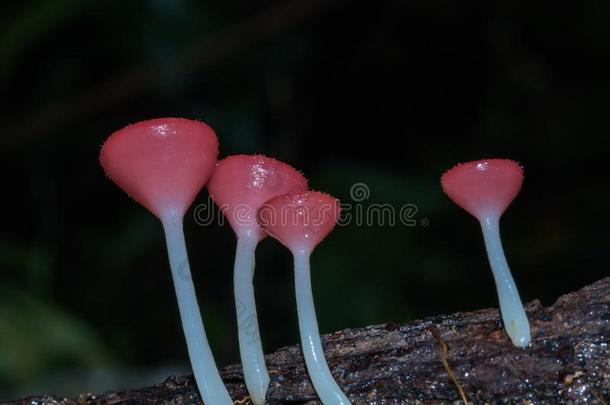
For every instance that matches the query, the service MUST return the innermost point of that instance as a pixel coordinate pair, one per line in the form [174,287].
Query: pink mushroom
[485,189]
[239,186]
[162,164]
[300,221]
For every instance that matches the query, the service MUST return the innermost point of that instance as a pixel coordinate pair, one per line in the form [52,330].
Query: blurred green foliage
[37,335]
[385,93]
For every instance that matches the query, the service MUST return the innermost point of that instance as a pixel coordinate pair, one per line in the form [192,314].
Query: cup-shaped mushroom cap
[161,163]
[242,183]
[300,221]
[484,188]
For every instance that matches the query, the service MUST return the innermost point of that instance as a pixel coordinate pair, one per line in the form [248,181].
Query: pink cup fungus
[300,221]
[485,188]
[239,186]
[162,164]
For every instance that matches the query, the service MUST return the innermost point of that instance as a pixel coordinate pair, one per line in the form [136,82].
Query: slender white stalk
[513,315]
[204,367]
[323,381]
[250,347]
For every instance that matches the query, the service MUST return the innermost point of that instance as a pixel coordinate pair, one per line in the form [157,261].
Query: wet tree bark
[568,362]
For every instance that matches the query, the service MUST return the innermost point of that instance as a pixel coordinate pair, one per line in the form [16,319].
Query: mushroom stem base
[323,382]
[513,315]
[250,346]
[204,367]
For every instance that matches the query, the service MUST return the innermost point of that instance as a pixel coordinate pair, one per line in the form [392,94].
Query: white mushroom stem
[204,367]
[323,382]
[250,347]
[513,315]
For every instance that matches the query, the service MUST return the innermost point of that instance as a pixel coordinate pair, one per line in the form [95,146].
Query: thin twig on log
[445,361]
[567,363]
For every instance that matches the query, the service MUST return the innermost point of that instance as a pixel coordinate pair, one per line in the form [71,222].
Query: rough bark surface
[568,362]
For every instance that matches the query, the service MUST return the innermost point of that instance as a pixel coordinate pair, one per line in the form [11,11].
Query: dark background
[386,93]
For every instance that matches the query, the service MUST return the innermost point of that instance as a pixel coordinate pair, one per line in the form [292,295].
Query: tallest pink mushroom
[485,189]
[162,164]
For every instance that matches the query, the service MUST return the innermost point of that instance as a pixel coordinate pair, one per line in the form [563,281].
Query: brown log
[568,362]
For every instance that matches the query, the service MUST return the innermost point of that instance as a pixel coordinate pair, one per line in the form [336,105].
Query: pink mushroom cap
[161,163]
[242,183]
[300,221]
[484,188]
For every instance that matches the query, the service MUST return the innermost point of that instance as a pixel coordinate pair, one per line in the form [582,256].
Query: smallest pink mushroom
[300,221]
